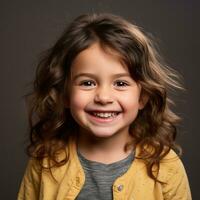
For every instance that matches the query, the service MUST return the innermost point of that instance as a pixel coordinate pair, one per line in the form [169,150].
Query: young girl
[101,124]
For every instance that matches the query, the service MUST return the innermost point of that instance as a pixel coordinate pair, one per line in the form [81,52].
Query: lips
[103,114]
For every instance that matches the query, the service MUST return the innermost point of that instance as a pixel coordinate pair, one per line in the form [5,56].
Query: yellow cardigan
[135,184]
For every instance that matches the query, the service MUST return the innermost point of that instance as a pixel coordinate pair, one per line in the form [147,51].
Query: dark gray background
[28,27]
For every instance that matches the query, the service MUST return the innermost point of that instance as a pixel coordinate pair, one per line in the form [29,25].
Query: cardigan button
[120,188]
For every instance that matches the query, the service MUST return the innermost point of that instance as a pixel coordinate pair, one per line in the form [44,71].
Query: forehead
[98,59]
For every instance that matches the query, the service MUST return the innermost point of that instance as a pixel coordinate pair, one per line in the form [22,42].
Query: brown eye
[121,84]
[87,83]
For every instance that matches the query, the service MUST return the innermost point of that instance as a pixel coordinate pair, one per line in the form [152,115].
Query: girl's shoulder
[171,166]
[171,159]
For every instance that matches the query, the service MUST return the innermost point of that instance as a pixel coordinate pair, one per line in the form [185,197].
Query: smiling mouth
[104,115]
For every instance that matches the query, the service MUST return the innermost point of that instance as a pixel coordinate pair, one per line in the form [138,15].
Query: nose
[103,96]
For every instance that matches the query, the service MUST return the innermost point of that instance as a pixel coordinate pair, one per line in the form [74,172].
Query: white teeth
[105,115]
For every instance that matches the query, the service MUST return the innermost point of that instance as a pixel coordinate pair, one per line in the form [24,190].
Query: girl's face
[104,99]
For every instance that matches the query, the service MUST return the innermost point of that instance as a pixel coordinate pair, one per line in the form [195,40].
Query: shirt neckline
[94,165]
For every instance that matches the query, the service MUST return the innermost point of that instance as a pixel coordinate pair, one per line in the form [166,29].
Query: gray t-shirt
[99,177]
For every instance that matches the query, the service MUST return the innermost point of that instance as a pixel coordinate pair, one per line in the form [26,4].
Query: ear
[143,100]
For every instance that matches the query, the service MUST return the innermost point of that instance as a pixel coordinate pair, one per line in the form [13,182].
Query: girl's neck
[104,150]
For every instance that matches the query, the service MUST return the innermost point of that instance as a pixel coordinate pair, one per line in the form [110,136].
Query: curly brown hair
[51,123]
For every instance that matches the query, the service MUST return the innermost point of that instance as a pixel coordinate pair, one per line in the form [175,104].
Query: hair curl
[51,123]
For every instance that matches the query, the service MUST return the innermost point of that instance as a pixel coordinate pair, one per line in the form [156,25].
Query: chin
[102,134]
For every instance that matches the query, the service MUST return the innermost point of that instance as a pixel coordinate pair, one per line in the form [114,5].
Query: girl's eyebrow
[95,76]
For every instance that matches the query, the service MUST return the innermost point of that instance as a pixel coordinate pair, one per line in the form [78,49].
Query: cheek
[78,100]
[130,101]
